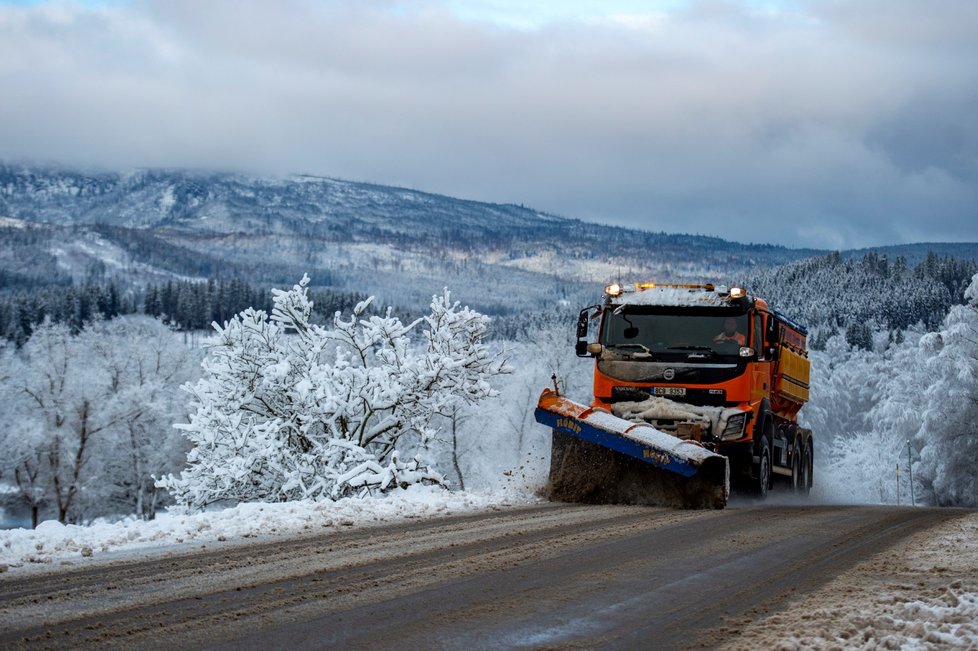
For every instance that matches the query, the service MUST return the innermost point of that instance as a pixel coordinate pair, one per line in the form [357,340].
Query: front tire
[762,480]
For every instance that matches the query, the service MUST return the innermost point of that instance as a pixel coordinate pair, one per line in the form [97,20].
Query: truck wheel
[796,470]
[806,471]
[763,479]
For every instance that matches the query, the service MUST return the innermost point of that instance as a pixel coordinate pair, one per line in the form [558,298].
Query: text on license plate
[668,391]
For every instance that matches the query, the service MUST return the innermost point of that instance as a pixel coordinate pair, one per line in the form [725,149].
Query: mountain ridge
[401,244]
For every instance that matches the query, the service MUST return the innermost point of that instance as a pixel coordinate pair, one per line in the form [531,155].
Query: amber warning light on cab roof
[616,289]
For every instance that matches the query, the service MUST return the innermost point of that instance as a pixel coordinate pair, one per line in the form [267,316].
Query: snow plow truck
[696,388]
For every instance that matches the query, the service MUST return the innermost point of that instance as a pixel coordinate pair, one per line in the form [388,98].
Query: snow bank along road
[547,576]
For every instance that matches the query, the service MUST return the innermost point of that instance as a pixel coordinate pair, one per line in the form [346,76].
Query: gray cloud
[831,124]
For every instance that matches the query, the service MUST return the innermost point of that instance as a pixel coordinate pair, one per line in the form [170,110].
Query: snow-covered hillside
[394,243]
[400,245]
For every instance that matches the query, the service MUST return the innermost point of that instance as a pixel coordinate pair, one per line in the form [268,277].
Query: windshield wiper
[695,349]
[643,349]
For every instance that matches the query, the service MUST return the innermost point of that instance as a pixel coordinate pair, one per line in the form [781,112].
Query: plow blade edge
[598,458]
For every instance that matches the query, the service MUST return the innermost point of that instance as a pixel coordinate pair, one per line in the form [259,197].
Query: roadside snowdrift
[52,541]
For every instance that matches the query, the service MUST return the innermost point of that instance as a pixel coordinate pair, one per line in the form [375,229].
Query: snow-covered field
[54,543]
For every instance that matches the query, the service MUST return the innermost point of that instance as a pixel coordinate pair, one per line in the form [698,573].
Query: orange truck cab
[706,363]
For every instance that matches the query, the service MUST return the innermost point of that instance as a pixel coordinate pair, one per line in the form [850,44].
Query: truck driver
[730,334]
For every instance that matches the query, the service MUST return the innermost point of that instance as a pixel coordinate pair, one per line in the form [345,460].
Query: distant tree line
[22,310]
[828,293]
[182,305]
[188,305]
[864,296]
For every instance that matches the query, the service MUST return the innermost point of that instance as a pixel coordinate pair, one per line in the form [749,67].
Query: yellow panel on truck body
[794,371]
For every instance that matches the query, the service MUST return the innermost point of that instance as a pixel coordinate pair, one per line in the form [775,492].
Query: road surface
[546,577]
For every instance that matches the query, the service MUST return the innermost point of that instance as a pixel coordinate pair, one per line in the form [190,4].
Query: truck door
[760,370]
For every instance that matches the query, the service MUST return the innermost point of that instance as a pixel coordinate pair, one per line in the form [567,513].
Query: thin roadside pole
[913,501]
[898,483]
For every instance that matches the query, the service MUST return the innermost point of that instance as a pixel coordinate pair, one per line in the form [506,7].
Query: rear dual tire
[796,470]
[806,471]
[801,471]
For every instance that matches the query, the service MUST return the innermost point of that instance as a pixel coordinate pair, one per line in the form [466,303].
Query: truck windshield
[722,334]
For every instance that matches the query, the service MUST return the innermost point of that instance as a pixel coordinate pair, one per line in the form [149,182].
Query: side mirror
[583,319]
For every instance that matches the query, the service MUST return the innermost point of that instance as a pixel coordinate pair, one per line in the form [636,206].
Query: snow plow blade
[599,458]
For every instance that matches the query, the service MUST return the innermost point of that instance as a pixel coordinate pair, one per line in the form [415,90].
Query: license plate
[668,391]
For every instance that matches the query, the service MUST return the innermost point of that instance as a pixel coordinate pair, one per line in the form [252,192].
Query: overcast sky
[835,124]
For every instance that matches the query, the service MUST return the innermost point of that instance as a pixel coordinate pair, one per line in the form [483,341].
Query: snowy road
[549,576]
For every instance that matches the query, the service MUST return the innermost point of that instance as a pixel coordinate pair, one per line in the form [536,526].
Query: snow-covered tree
[924,391]
[60,395]
[88,418]
[896,418]
[288,409]
[949,434]
[870,291]
[864,408]
[862,467]
[145,363]
[844,385]
[858,334]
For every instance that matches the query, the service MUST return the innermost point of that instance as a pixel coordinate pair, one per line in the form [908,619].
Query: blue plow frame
[617,442]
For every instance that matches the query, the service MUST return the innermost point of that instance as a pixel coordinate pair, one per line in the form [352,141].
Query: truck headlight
[733,429]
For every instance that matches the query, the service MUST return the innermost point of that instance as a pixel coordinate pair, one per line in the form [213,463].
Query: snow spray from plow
[599,458]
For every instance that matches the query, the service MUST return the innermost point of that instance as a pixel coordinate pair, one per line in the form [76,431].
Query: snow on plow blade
[599,458]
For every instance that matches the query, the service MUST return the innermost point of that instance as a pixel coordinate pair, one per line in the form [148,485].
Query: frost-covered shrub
[289,410]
